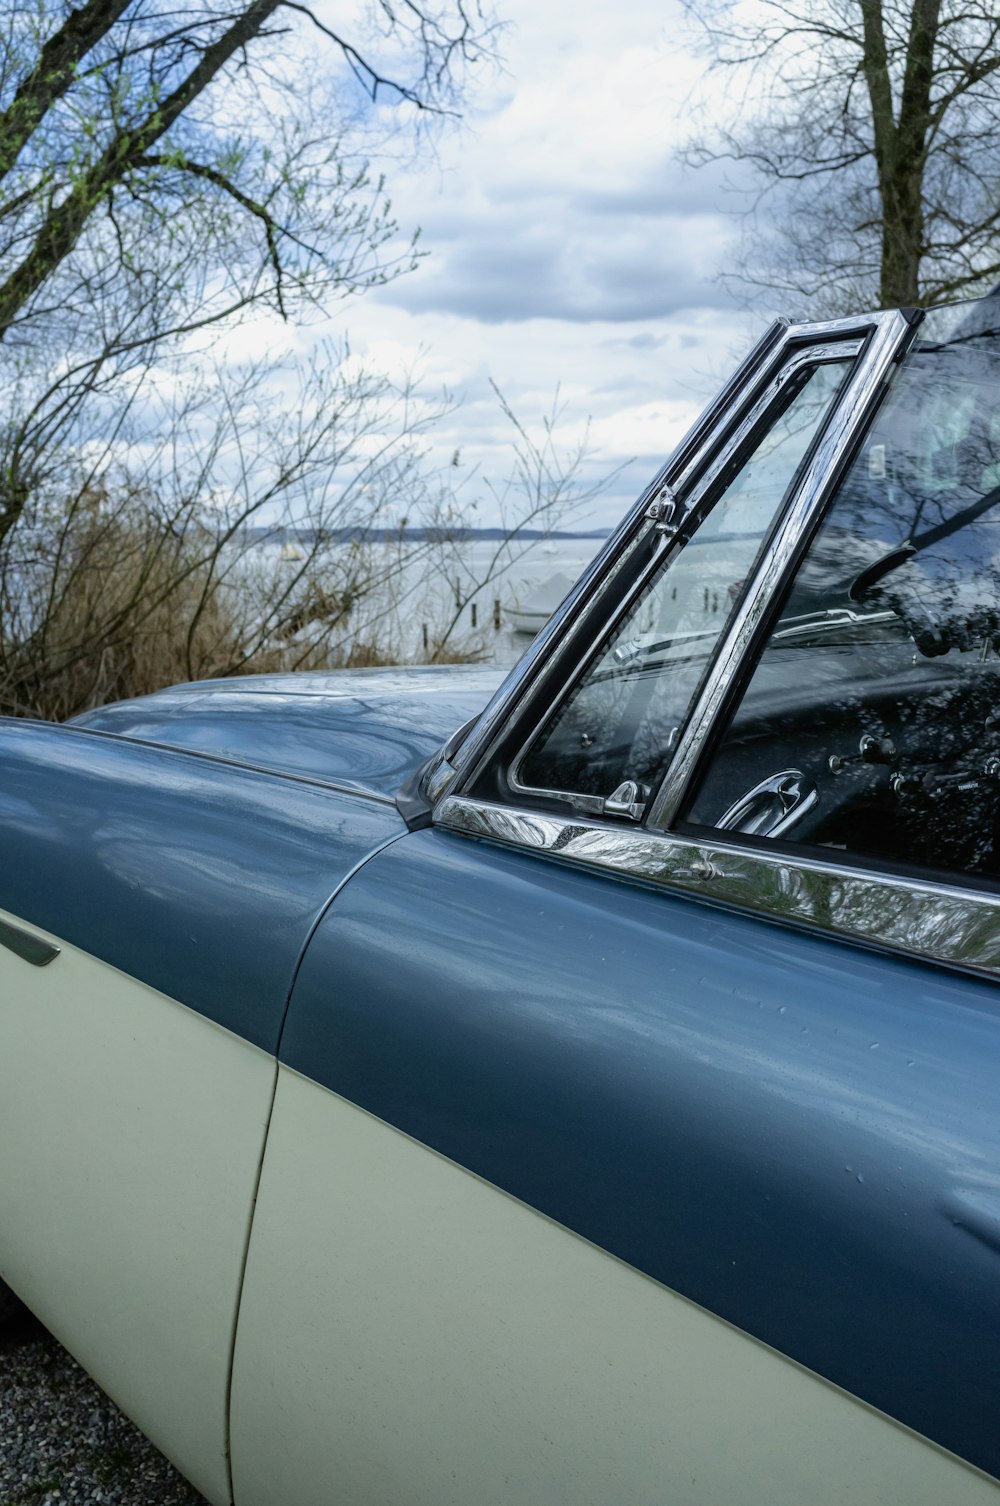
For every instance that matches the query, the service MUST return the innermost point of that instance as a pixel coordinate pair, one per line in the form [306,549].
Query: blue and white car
[417,1090]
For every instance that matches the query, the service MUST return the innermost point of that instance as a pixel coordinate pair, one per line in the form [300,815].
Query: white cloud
[566,248]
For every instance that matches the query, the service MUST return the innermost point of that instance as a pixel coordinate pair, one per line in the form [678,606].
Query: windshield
[915,528]
[871,722]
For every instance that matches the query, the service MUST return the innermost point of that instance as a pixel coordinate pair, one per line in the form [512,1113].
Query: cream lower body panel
[131,1132]
[411,1336]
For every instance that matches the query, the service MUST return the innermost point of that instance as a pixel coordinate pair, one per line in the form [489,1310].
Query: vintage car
[416,1089]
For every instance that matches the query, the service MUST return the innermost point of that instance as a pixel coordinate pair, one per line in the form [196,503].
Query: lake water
[463,590]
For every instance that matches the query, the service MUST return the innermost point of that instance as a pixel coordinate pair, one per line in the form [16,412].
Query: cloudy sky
[567,248]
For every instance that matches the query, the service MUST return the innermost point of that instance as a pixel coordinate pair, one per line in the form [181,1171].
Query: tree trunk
[901,146]
[902,238]
[53,74]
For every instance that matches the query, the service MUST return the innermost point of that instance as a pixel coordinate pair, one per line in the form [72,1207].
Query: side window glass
[621,720]
[871,724]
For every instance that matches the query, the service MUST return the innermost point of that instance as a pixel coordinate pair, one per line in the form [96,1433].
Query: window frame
[738,446]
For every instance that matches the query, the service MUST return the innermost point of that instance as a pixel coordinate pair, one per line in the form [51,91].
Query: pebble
[63,1443]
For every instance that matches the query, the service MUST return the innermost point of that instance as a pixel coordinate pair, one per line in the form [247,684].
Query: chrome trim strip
[549,643]
[793,357]
[705,424]
[797,338]
[24,944]
[822,473]
[926,920]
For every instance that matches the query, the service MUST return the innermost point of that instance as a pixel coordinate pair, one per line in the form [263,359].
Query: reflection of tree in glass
[881,681]
[916,526]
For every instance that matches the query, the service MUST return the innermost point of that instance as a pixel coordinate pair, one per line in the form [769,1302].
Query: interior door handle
[772,807]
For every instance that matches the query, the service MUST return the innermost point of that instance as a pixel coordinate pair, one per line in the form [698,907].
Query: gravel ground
[61,1439]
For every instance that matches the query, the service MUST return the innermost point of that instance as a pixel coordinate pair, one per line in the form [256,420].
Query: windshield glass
[915,528]
[871,723]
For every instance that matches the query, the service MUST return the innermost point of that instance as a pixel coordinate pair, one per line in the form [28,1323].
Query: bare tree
[162,170]
[870,131]
[240,523]
[164,515]
[543,488]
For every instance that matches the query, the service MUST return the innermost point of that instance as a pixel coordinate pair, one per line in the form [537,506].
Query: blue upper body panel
[364,729]
[197,877]
[797,1134]
[800,1135]
[203,877]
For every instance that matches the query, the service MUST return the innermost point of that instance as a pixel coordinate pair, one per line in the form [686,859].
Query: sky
[570,258]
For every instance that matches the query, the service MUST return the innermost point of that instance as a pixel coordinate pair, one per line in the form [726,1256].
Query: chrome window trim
[799,358]
[702,431]
[923,919]
[816,353]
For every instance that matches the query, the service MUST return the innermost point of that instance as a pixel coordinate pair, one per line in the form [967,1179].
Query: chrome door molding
[927,920]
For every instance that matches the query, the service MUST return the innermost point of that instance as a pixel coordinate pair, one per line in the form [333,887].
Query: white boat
[530,613]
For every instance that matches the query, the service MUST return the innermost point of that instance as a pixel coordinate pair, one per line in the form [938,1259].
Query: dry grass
[121,603]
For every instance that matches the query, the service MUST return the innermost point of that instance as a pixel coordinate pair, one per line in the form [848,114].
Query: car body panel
[199,878]
[411,1334]
[573,1164]
[367,729]
[132,1130]
[138,1063]
[799,1136]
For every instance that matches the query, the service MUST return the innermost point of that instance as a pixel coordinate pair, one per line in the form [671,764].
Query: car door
[582,1183]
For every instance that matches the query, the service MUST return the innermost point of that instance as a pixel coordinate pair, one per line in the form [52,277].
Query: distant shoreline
[357,534]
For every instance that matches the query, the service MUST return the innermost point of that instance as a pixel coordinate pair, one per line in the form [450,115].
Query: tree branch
[65,222]
[363,71]
[53,74]
[273,231]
